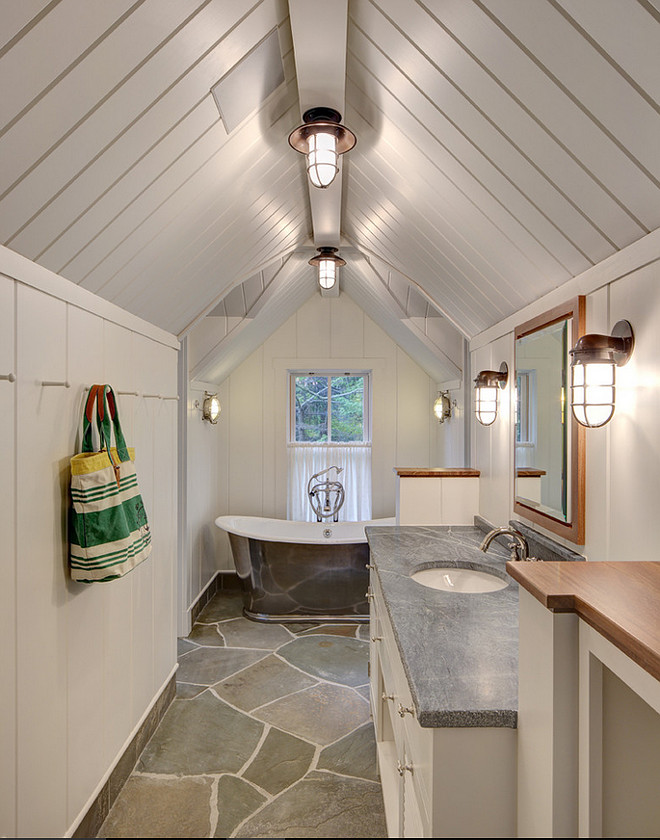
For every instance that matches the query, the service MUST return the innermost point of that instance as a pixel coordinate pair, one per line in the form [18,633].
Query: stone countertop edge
[459,651]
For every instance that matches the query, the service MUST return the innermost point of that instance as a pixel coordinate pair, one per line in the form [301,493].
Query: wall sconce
[328,264]
[210,408]
[322,138]
[486,385]
[442,406]
[593,362]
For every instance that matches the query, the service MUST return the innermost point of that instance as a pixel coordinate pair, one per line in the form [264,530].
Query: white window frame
[366,407]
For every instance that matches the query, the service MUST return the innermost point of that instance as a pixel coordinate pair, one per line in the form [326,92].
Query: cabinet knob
[387,696]
[368,595]
[376,638]
[369,566]
[405,710]
[401,768]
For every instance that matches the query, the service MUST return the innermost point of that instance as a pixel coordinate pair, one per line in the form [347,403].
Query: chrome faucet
[518,545]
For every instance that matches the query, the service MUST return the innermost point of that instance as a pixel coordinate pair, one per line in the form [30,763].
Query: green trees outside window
[329,409]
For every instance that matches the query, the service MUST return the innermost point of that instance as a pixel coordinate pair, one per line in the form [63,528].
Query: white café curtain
[307,459]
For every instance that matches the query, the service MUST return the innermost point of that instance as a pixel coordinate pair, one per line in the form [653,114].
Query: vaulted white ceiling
[503,147]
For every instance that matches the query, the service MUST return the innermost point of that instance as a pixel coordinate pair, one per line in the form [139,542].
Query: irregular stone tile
[321,714]
[298,626]
[203,735]
[333,630]
[206,666]
[186,691]
[207,634]
[364,691]
[149,807]
[223,605]
[241,632]
[268,680]
[326,806]
[281,761]
[363,632]
[353,755]
[236,801]
[329,657]
[183,646]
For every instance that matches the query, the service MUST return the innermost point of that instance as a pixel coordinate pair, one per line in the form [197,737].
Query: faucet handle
[513,548]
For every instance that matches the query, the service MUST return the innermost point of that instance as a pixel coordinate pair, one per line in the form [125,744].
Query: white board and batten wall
[623,457]
[81,664]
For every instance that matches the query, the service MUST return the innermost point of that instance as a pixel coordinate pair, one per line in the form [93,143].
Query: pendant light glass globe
[322,159]
[327,274]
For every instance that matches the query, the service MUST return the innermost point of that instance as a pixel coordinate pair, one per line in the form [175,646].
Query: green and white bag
[108,533]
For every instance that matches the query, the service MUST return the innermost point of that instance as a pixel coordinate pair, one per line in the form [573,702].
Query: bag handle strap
[109,414]
[88,416]
[107,419]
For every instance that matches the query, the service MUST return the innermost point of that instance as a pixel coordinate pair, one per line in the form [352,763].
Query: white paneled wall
[623,457]
[7,559]
[81,664]
[325,333]
[493,445]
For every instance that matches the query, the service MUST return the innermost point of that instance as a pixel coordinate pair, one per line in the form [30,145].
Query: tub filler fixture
[326,497]
[301,571]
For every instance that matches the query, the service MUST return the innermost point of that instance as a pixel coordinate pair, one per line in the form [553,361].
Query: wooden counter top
[529,472]
[436,472]
[621,600]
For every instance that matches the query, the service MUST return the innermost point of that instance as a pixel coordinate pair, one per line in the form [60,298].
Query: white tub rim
[294,531]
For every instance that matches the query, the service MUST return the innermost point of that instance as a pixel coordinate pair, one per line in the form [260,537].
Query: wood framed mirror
[548,445]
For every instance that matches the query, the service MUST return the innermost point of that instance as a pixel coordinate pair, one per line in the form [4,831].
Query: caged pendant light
[322,138]
[328,263]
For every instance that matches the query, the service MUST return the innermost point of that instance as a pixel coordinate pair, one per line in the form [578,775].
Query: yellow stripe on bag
[89,462]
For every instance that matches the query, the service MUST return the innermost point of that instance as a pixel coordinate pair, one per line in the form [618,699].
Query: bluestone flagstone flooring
[269,736]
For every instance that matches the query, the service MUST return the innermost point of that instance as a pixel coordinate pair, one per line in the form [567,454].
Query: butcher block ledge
[619,599]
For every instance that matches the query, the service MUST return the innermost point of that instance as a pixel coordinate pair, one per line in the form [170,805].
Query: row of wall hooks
[51,383]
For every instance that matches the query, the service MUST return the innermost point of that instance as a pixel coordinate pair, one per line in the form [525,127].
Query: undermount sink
[459,579]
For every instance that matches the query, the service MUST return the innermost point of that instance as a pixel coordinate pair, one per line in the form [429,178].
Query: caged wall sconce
[210,408]
[486,386]
[328,263]
[322,138]
[593,362]
[442,406]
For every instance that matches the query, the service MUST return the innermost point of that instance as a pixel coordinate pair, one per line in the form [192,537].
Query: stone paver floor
[269,736]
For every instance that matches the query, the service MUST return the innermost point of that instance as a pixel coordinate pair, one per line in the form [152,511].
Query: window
[329,408]
[525,407]
[329,425]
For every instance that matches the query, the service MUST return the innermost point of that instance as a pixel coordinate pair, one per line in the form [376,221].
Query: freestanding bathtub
[301,571]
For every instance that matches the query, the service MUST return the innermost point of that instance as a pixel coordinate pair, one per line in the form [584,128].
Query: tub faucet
[518,545]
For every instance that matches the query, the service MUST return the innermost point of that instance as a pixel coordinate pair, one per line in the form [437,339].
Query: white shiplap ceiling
[503,147]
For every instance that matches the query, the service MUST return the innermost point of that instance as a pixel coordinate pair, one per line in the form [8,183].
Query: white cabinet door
[7,562]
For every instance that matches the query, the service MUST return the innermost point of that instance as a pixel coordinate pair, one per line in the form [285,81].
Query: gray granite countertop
[459,651]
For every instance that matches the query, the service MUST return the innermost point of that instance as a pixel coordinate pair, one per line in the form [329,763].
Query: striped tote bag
[108,532]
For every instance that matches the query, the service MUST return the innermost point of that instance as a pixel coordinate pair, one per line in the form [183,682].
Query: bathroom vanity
[589,706]
[443,672]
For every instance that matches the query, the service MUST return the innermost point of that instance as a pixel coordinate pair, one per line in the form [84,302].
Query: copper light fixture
[328,262]
[594,360]
[322,138]
[486,386]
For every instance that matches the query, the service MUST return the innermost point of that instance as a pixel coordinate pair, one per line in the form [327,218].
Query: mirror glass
[542,433]
[547,441]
